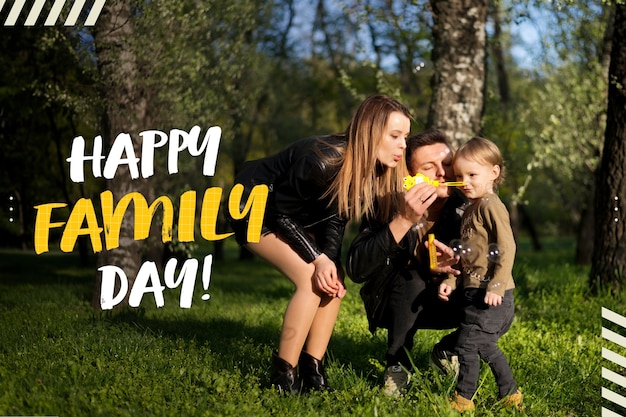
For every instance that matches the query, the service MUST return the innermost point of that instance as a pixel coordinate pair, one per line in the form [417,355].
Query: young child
[487,257]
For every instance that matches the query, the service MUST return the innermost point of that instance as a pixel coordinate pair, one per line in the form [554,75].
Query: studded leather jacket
[297,208]
[375,249]
[375,258]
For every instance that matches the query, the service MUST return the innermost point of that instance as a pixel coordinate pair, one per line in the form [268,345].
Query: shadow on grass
[233,336]
[26,267]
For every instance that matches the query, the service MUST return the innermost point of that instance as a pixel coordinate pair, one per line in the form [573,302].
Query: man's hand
[444,291]
[446,259]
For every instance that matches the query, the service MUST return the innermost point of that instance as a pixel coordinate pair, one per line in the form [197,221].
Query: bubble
[419,66]
[467,252]
[420,225]
[493,253]
[10,198]
[457,246]
[462,249]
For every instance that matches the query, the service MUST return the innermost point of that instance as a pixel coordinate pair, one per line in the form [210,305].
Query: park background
[544,80]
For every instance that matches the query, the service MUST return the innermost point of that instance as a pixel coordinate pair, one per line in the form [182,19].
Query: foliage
[46,97]
[61,358]
[271,72]
[553,132]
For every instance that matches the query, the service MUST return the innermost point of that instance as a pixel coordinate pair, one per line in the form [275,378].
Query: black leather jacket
[297,178]
[374,257]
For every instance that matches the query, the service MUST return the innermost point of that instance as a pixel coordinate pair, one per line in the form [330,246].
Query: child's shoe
[514,400]
[460,403]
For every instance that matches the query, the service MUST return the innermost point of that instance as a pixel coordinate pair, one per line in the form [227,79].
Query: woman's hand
[417,200]
[326,278]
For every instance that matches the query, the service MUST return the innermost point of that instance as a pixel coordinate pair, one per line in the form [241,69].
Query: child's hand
[444,291]
[493,299]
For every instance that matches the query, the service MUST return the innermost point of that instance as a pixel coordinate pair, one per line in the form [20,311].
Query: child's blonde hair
[484,152]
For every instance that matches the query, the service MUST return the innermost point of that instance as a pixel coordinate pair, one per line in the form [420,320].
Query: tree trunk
[458,56]
[126,112]
[584,238]
[609,254]
[586,227]
[498,57]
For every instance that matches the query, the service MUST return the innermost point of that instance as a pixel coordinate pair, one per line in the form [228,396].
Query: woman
[317,185]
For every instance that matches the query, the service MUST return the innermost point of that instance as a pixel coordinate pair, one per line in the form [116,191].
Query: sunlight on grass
[62,358]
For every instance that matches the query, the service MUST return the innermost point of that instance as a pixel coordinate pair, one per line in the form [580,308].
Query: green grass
[59,357]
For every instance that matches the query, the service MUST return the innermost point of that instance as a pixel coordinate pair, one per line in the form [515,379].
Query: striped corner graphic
[54,15]
[616,359]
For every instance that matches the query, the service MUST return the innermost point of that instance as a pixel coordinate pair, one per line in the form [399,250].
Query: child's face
[478,177]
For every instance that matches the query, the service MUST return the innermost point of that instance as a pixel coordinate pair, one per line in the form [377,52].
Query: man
[391,258]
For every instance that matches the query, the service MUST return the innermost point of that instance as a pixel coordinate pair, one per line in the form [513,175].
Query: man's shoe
[445,361]
[460,403]
[396,381]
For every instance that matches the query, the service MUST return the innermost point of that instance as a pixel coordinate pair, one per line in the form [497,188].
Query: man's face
[434,161]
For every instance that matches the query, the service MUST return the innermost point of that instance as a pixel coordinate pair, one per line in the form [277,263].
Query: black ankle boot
[312,373]
[284,376]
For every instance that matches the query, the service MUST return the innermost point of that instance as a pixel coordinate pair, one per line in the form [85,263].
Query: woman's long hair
[363,186]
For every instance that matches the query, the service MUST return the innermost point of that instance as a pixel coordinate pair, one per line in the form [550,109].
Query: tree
[45,98]
[562,111]
[126,110]
[459,48]
[608,268]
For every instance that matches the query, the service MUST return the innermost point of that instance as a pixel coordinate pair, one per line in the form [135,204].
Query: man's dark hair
[427,137]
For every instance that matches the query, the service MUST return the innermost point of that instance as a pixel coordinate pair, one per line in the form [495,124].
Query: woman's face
[392,147]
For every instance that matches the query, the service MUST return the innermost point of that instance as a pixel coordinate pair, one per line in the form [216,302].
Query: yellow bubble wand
[420,178]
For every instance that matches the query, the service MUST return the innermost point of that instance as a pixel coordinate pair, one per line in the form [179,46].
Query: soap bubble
[457,246]
[493,253]
[419,67]
[462,249]
[467,252]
